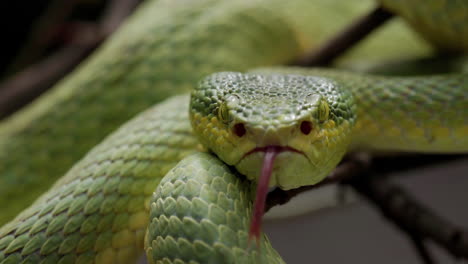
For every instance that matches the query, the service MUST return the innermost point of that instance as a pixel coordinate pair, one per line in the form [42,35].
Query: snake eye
[323,111]
[223,113]
[306,127]
[239,129]
[223,110]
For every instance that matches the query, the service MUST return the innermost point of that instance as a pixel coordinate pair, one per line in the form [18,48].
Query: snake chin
[292,168]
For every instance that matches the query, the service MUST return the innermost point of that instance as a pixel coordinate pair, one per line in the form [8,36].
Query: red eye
[239,129]
[306,127]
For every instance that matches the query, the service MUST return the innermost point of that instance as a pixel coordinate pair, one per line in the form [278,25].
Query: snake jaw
[289,167]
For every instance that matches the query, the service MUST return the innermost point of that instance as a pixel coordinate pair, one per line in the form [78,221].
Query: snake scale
[200,212]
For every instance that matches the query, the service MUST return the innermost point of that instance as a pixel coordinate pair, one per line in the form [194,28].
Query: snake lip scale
[277,148]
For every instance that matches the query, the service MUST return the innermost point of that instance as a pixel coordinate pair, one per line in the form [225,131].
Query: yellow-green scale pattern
[424,114]
[442,22]
[162,50]
[167,49]
[200,213]
[98,210]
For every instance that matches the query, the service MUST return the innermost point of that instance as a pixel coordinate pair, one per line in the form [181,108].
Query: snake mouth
[266,156]
[277,148]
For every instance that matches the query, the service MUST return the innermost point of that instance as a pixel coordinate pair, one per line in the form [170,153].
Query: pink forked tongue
[262,191]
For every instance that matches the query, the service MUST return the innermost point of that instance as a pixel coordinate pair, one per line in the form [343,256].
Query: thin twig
[418,222]
[359,163]
[397,162]
[407,213]
[346,39]
[421,248]
[344,171]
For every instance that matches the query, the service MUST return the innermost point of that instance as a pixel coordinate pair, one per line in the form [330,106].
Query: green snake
[99,212]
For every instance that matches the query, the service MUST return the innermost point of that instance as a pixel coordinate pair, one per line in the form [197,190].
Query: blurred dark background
[44,40]
[35,29]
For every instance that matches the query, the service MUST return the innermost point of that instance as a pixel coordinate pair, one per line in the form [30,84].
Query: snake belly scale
[99,211]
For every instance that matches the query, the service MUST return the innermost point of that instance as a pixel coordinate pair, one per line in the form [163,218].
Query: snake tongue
[262,191]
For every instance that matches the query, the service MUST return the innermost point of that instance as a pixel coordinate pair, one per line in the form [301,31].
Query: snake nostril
[239,129]
[306,127]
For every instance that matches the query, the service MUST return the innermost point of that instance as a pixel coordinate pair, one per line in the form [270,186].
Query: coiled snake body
[200,213]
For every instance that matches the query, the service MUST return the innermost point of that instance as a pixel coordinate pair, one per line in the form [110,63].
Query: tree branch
[346,39]
[417,221]
[411,216]
[357,164]
[421,248]
[344,171]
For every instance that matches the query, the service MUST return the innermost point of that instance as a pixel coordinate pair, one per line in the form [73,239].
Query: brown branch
[411,216]
[344,171]
[398,162]
[421,248]
[28,84]
[418,222]
[346,39]
[359,163]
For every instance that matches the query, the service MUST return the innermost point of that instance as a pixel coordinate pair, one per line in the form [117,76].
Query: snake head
[307,119]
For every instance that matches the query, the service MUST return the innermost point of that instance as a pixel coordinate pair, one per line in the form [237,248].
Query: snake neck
[424,114]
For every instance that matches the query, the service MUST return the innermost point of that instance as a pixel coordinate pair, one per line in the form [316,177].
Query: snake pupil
[306,127]
[239,129]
